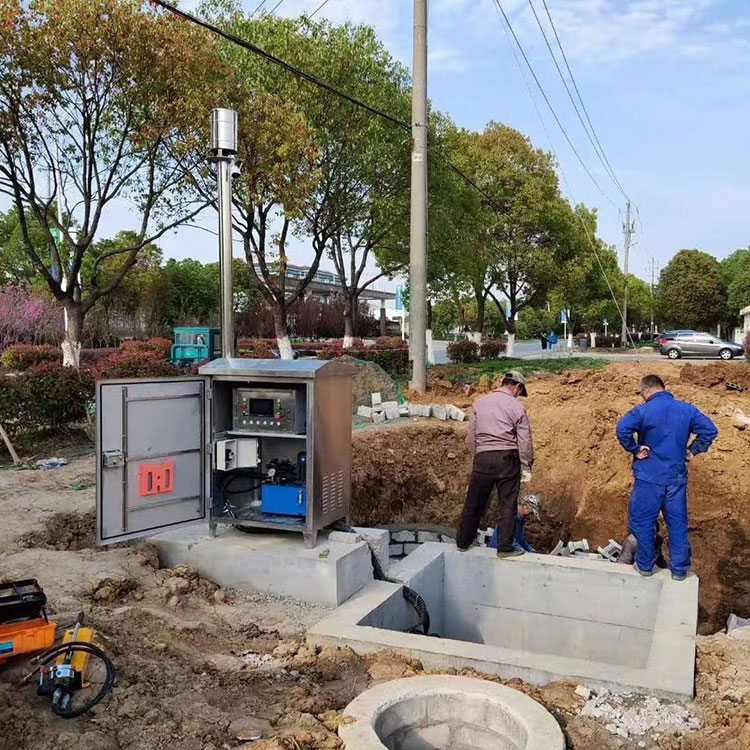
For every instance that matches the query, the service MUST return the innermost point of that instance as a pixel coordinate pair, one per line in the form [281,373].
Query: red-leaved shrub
[491,348]
[132,362]
[463,351]
[389,342]
[158,346]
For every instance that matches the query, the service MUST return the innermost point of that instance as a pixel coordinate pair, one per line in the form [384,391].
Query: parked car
[684,343]
[667,335]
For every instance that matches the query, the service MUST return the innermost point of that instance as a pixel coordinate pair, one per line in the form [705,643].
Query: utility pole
[628,227]
[224,148]
[418,226]
[653,283]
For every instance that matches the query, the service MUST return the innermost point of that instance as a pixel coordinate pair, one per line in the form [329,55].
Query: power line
[591,240]
[599,155]
[549,104]
[580,99]
[320,7]
[281,63]
[273,10]
[317,82]
[260,5]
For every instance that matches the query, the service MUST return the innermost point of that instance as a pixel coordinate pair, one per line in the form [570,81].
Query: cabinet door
[153,459]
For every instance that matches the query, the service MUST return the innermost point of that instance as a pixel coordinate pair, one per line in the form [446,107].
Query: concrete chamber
[447,713]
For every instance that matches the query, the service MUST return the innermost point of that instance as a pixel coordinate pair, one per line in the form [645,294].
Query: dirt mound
[717,375]
[63,531]
[370,378]
[417,473]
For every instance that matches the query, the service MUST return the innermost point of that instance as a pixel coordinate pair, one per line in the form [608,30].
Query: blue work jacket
[665,425]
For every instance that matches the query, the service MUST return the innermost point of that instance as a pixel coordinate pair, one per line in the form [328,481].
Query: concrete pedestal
[276,563]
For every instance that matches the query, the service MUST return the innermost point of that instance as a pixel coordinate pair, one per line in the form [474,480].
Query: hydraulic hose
[93,650]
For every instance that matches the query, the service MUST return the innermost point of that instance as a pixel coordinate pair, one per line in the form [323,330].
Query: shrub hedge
[20,357]
[46,395]
[491,348]
[393,361]
[463,351]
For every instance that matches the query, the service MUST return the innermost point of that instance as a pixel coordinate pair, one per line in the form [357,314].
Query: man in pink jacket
[499,439]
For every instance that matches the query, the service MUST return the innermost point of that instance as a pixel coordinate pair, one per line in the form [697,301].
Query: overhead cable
[549,104]
[580,99]
[320,7]
[591,239]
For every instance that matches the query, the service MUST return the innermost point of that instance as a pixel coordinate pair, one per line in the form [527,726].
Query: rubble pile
[631,715]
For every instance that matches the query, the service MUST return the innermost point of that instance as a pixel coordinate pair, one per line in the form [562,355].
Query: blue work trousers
[646,502]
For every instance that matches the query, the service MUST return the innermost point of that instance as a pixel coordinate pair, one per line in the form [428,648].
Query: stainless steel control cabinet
[156,446]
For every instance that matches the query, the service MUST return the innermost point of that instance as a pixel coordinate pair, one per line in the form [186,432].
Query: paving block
[410,547]
[377,399]
[378,417]
[426,410]
[392,412]
[438,412]
[390,404]
[455,413]
[403,410]
[364,411]
[396,550]
[428,536]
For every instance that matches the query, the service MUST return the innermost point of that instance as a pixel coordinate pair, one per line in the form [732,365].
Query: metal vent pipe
[224,148]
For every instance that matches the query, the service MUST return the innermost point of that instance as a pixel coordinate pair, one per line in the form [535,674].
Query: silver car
[676,344]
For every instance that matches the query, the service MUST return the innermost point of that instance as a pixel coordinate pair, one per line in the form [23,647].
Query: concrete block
[415,410]
[438,412]
[377,399]
[276,564]
[392,412]
[378,540]
[345,537]
[403,410]
[428,536]
[378,417]
[364,411]
[390,404]
[455,413]
[396,550]
[410,547]
[404,536]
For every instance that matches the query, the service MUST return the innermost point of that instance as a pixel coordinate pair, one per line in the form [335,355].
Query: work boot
[644,573]
[515,553]
[679,576]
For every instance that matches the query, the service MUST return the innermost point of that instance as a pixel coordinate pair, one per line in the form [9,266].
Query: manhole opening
[449,721]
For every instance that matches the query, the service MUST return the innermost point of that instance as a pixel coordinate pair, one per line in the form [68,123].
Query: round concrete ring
[532,727]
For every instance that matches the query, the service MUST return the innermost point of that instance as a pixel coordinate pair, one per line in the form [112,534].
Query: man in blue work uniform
[527,507]
[660,455]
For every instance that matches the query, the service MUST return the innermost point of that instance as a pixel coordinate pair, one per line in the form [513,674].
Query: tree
[103,96]
[15,264]
[735,272]
[690,293]
[528,223]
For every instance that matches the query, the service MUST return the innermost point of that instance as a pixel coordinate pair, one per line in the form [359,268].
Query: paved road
[531,349]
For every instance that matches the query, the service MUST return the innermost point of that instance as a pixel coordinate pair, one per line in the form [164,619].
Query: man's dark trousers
[501,469]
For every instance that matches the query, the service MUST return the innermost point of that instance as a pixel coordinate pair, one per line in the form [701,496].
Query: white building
[745,315]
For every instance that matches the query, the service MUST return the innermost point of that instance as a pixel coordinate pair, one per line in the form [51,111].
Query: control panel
[268,410]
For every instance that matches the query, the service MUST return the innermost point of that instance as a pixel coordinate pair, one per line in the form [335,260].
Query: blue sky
[665,83]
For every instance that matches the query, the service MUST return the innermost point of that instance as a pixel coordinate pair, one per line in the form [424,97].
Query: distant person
[543,339]
[630,545]
[663,426]
[527,507]
[499,439]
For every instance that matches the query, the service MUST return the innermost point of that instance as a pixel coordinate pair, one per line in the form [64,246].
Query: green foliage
[532,322]
[23,356]
[47,395]
[393,361]
[735,272]
[463,351]
[691,293]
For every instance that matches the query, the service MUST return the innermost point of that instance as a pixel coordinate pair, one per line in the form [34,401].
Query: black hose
[411,596]
[92,650]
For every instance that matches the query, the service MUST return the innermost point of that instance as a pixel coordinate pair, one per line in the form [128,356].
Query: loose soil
[417,471]
[204,668]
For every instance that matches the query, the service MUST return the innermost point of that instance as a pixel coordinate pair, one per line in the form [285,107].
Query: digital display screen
[261,407]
